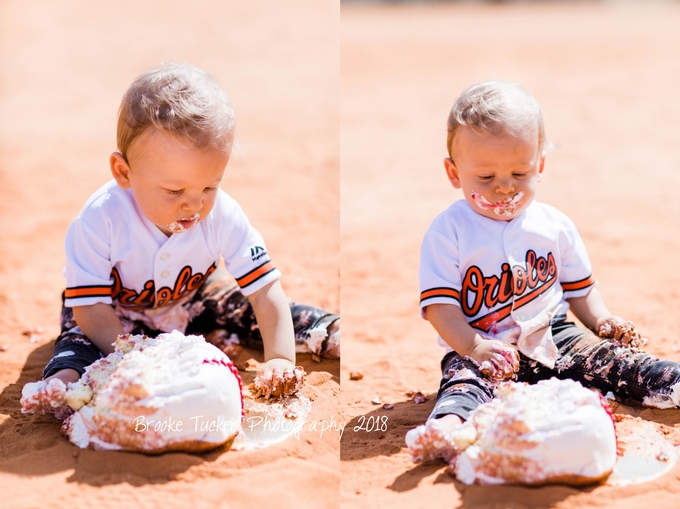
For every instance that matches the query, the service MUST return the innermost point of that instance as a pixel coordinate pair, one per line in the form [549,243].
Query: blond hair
[497,107]
[181,100]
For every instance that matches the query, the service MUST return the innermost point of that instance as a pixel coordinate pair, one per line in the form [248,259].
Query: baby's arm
[100,324]
[590,309]
[593,313]
[272,312]
[449,322]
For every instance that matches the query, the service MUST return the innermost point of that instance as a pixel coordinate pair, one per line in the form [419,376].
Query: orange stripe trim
[578,285]
[255,274]
[88,291]
[439,292]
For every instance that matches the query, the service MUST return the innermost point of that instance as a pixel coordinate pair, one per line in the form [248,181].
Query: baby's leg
[73,352]
[629,374]
[66,375]
[463,388]
[219,304]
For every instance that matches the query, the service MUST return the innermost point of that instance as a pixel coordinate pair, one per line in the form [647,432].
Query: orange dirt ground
[63,69]
[606,75]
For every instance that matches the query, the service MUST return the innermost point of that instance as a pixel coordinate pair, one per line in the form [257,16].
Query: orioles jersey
[509,278]
[115,255]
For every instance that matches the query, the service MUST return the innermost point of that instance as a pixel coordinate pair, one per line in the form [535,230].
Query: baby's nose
[192,205]
[505,187]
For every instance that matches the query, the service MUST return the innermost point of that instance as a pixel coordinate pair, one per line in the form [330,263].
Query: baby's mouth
[502,208]
[182,225]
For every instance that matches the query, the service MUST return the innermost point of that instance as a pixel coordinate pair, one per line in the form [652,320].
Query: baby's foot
[44,397]
[434,439]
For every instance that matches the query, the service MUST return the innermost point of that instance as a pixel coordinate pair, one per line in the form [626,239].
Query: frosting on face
[502,208]
[183,224]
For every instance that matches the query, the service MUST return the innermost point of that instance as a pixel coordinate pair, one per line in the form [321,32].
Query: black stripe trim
[248,273]
[257,278]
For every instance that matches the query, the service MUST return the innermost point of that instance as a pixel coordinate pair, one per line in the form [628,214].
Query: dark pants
[582,356]
[218,304]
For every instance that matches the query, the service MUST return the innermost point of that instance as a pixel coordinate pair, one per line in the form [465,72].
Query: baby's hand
[495,358]
[278,378]
[620,332]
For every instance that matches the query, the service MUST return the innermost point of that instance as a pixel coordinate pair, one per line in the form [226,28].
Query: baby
[142,255]
[498,272]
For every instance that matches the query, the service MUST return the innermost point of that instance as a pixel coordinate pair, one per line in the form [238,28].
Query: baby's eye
[519,175]
[486,178]
[178,192]
[210,189]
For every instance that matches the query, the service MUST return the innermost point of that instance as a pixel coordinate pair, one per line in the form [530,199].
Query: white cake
[553,431]
[173,392]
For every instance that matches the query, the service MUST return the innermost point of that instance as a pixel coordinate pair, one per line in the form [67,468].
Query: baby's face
[498,174]
[174,184]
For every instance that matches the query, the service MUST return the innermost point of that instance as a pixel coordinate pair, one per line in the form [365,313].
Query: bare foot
[434,439]
[65,375]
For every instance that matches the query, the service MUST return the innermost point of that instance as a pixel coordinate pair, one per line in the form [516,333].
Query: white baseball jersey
[510,278]
[115,255]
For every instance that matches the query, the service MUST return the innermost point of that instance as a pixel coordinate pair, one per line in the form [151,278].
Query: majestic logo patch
[257,252]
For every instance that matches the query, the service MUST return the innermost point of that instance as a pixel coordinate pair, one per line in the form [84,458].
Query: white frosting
[178,227]
[165,318]
[153,394]
[502,208]
[659,400]
[314,341]
[530,434]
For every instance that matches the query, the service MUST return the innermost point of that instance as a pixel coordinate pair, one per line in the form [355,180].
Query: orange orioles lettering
[525,284]
[148,297]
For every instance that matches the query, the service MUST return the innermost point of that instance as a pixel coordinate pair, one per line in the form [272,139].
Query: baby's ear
[540,168]
[120,170]
[452,172]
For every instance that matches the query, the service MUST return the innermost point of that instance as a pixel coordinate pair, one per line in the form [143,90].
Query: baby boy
[142,255]
[498,272]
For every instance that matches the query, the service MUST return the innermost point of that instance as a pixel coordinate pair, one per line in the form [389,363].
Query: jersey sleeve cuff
[87,295]
[578,288]
[258,278]
[438,296]
[86,301]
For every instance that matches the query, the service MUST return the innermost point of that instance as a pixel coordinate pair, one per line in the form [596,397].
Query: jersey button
[511,235]
[165,256]
[165,274]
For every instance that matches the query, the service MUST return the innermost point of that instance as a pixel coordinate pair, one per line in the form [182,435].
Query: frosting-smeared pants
[218,304]
[582,356]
